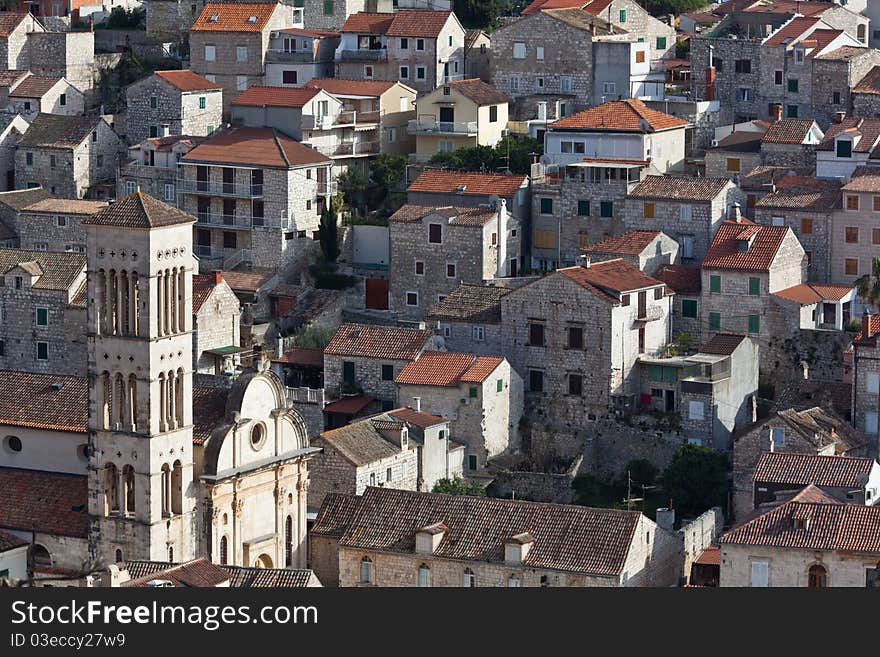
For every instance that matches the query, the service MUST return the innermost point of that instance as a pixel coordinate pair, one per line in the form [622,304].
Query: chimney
[866,324]
[710,83]
[736,213]
[776,112]
[733,128]
[218,277]
[501,267]
[417,404]
[666,518]
[839,117]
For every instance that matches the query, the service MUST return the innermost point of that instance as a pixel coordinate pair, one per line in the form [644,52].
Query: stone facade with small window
[54,224]
[854,236]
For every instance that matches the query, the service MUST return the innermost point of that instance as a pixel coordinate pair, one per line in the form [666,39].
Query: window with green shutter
[348,372]
[29,158]
[754,324]
[754,286]
[154,102]
[689,307]
[655,372]
[606,209]
[714,283]
[792,112]
[661,43]
[623,15]
[42,317]
[714,321]
[499,385]
[328,7]
[474,392]
[202,102]
[546,206]
[299,3]
[584,208]
[42,351]
[793,85]
[670,374]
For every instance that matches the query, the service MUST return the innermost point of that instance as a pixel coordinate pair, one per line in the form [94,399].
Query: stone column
[302,487]
[118,309]
[173,300]
[121,497]
[132,304]
[163,400]
[160,303]
[172,401]
[181,303]
[167,306]
[237,547]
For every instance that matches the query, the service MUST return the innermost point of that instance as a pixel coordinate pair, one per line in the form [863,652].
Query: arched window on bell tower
[129,489]
[177,488]
[111,489]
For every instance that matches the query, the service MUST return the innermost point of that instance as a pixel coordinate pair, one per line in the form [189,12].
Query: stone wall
[181,112]
[217,324]
[700,533]
[70,55]
[789,155]
[536,486]
[816,243]
[367,376]
[38,229]
[171,19]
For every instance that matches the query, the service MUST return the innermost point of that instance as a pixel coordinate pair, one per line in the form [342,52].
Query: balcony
[327,188]
[433,127]
[279,56]
[364,55]
[347,118]
[231,220]
[239,190]
[649,314]
[346,149]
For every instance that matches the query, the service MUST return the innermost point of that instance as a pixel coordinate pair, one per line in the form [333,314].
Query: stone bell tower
[141,490]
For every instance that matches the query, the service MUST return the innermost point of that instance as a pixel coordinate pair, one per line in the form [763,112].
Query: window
[546,206]
[754,286]
[404,44]
[575,385]
[777,77]
[470,580]
[536,381]
[624,300]
[689,308]
[648,210]
[202,102]
[368,72]
[169,192]
[404,72]
[851,266]
[872,575]
[714,321]
[742,66]
[130,187]
[472,461]
[536,334]
[852,235]
[154,102]
[519,51]
[575,337]
[366,571]
[420,72]
[733,164]
[154,131]
[435,234]
[640,57]
[513,580]
[61,222]
[210,53]
[473,393]
[622,15]
[241,82]
[777,439]
[871,422]
[499,385]
[420,268]
[583,208]
[241,53]
[566,85]
[27,106]
[29,159]
[514,82]
[606,209]
[328,7]
[388,474]
[99,161]
[754,324]
[420,44]
[493,114]
[817,576]
[792,112]
[714,283]
[42,317]
[388,372]
[42,351]
[852,202]
[372,479]
[12,443]
[661,43]
[695,410]
[539,52]
[424,576]
[348,371]
[450,270]
[685,212]
[478,333]
[760,574]
[806,226]
[412,298]
[835,98]
[230,240]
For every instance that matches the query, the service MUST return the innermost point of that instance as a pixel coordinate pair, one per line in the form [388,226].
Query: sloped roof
[66,206]
[809,293]
[724,250]
[139,210]
[801,469]
[864,179]
[612,277]
[34,86]
[823,427]
[209,410]
[10,541]
[365,22]
[9,78]
[420,419]
[473,216]
[444,368]
[21,198]
[870,83]
[234,16]
[187,80]
[9,21]
[56,270]
[722,344]
[202,573]
[275,96]
[443,181]
[788,131]
[374,341]
[202,286]
[254,146]
[629,115]
[360,443]
[198,573]
[629,243]
[868,128]
[57,131]
[685,188]
[681,279]
[335,514]
[803,193]
[478,91]
[792,31]
[47,502]
[44,401]
[418,23]
[342,87]
[471,303]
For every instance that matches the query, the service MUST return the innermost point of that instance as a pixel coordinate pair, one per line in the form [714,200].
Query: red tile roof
[539,5]
[722,344]
[800,469]
[711,556]
[792,31]
[681,279]
[724,251]
[418,23]
[360,443]
[787,131]
[442,181]
[202,286]
[870,84]
[478,91]
[47,502]
[819,40]
[630,243]
[302,356]
[44,401]
[342,87]
[10,542]
[187,80]
[809,293]
[685,188]
[199,573]
[9,20]
[612,277]
[335,515]
[138,210]
[275,96]
[256,146]
[868,128]
[366,23]
[417,418]
[374,341]
[630,115]
[234,16]
[247,281]
[474,216]
[864,179]
[444,368]
[803,193]
[34,86]
[349,405]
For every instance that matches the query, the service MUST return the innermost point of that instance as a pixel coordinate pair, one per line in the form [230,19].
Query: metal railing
[363,55]
[424,126]
[242,190]
[234,220]
[347,149]
[279,56]
[346,118]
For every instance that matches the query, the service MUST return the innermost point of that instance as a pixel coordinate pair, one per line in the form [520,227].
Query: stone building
[12,127]
[257,196]
[458,114]
[201,573]
[848,143]
[229,41]
[791,143]
[296,55]
[837,79]
[686,283]
[745,264]
[173,103]
[43,315]
[390,537]
[854,234]
[481,396]
[49,95]
[422,49]
[811,541]
[171,19]
[332,15]
[55,224]
[688,209]
[69,55]
[469,318]
[806,205]
[865,389]
[11,204]
[648,250]
[14,30]
[216,324]
[575,337]
[477,57]
[67,155]
[152,167]
[866,95]
[735,154]
[364,359]
[432,250]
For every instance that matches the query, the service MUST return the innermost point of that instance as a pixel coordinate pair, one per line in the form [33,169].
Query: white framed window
[539,84]
[478,333]
[519,50]
[744,94]
[241,82]
[41,246]
[368,72]
[366,571]
[61,222]
[451,270]
[412,298]
[695,410]
[130,187]
[241,53]
[687,246]
[513,582]
[566,85]
[514,82]
[445,146]
[169,192]
[871,422]
[41,316]
[470,580]
[424,576]
[210,53]
[685,212]
[420,72]
[447,330]
[798,55]
[777,439]
[42,351]
[760,574]
[539,52]
[404,73]
[609,87]
[872,383]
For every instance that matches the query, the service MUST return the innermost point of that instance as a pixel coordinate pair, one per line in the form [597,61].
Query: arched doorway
[263,561]
[817,577]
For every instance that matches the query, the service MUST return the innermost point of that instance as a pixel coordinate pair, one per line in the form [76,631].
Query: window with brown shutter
[733,164]
[875,236]
[852,235]
[649,210]
[536,335]
[806,226]
[851,266]
[852,202]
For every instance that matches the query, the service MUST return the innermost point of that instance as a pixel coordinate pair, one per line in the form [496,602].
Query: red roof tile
[630,115]
[44,401]
[722,344]
[374,341]
[610,276]
[10,542]
[443,368]
[870,84]
[34,86]
[473,216]
[809,293]
[464,182]
[792,31]
[685,188]
[366,23]
[256,146]
[787,131]
[539,5]
[234,16]
[630,243]
[275,96]
[724,251]
[302,356]
[418,23]
[711,556]
[247,281]
[187,80]
[801,469]
[47,502]
[418,418]
[342,87]
[202,286]
[349,405]
[868,128]
[9,20]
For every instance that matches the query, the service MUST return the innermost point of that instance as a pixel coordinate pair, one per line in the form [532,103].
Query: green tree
[641,472]
[868,286]
[511,152]
[353,186]
[478,14]
[388,175]
[313,337]
[696,479]
[459,486]
[329,235]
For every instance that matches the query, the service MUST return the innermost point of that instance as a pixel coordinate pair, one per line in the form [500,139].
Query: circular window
[13,443]
[258,435]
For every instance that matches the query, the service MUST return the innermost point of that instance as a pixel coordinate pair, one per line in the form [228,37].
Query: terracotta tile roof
[167,142]
[471,303]
[444,368]
[342,87]
[442,181]
[34,86]
[722,344]
[366,23]
[202,573]
[57,131]
[199,573]
[685,188]
[234,17]
[374,341]
[539,5]
[630,115]
[139,210]
[275,96]
[803,193]
[309,33]
[873,330]
[349,405]
[868,128]
[243,577]
[57,270]
[801,469]
[478,216]
[823,427]
[788,131]
[479,92]
[209,411]
[724,251]
[44,401]
[418,23]
[630,243]
[22,198]
[567,537]
[740,142]
[681,279]
[10,542]
[335,515]
[247,281]
[870,84]
[809,293]
[792,31]
[711,556]
[256,146]
[762,177]
[582,20]
[420,419]
[611,276]
[202,286]
[844,53]
[46,502]
[864,179]
[187,80]
[302,356]
[810,526]
[360,443]
[9,21]
[66,206]
[820,39]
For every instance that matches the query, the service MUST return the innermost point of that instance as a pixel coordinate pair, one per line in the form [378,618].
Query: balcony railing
[232,220]
[430,126]
[650,314]
[346,118]
[279,56]
[242,190]
[347,149]
[364,55]
[327,188]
